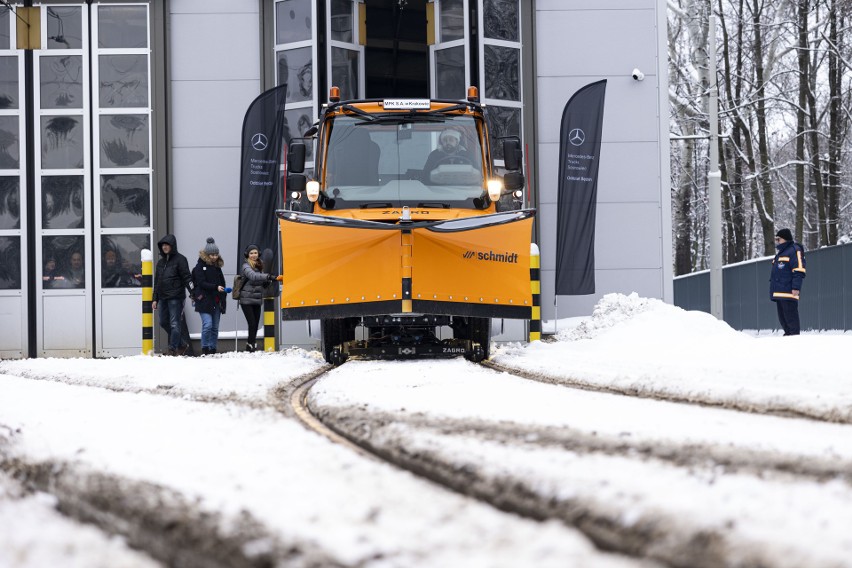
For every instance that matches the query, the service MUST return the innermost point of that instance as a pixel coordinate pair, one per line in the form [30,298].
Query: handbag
[237,287]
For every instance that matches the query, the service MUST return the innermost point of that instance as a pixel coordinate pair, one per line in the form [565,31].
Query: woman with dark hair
[210,294]
[253,292]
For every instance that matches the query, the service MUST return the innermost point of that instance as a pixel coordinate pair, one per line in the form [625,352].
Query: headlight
[312,189]
[495,189]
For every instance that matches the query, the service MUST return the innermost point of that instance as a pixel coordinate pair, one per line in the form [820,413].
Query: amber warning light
[334,94]
[472,94]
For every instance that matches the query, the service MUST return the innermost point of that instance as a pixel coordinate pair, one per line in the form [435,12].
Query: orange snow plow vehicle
[405,230]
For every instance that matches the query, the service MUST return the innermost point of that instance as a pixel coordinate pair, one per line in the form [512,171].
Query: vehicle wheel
[330,338]
[479,331]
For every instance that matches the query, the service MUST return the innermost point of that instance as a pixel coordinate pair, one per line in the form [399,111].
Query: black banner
[260,171]
[579,158]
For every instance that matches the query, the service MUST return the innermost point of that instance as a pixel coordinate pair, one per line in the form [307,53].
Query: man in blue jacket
[171,278]
[785,283]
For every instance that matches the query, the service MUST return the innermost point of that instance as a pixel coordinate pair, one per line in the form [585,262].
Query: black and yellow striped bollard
[535,288]
[269,323]
[147,296]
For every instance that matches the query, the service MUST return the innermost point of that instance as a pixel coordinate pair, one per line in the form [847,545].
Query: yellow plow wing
[477,266]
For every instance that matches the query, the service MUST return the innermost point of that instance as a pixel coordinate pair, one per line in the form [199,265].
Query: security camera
[638,75]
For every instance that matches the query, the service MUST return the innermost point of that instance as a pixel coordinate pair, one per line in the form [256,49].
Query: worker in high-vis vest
[785,283]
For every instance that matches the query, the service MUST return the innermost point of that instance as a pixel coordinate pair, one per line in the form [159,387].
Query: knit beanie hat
[785,234]
[210,247]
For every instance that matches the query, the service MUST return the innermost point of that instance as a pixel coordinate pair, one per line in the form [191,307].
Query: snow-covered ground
[738,443]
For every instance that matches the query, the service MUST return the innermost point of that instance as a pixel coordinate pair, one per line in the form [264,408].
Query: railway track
[392,437]
[661,539]
[773,410]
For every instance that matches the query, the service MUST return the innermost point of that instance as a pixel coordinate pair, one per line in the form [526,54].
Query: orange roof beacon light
[472,94]
[334,94]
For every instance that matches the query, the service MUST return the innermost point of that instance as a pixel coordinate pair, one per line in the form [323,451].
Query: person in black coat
[171,280]
[785,282]
[210,297]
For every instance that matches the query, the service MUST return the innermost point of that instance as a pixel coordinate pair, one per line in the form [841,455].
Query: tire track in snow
[763,407]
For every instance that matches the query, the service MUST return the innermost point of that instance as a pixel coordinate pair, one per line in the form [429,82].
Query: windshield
[414,160]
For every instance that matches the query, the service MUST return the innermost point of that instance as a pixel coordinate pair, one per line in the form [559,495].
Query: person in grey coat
[253,291]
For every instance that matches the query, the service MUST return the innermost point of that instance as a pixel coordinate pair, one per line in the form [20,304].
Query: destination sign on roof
[405,104]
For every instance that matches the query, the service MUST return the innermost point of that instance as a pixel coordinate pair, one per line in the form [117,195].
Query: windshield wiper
[359,113]
[377,205]
[433,205]
[446,109]
[406,119]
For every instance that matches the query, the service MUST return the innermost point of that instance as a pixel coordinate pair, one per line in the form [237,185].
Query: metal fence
[825,303]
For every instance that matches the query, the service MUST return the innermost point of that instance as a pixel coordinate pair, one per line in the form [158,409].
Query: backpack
[237,287]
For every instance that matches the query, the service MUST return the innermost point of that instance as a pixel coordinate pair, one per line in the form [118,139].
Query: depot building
[122,123]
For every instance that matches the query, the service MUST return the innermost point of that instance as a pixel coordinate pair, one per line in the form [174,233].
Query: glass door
[345,50]
[449,72]
[13,197]
[295,56]
[122,166]
[63,183]
[500,69]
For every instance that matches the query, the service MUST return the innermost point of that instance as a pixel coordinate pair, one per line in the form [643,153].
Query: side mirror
[296,182]
[296,158]
[513,181]
[512,154]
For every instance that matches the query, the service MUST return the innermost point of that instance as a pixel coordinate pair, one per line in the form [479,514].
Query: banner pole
[555,314]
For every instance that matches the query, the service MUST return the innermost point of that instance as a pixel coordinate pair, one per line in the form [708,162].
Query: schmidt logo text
[491,256]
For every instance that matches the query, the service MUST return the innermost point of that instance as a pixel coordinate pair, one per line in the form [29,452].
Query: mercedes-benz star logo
[577,137]
[259,141]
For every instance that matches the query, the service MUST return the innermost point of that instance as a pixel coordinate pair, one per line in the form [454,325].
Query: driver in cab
[449,151]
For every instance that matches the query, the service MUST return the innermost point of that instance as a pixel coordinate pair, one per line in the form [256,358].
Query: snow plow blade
[338,267]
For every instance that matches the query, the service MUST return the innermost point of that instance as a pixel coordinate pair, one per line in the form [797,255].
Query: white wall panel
[595,42]
[628,172]
[206,177]
[66,330]
[568,5]
[212,6]
[209,114]
[122,324]
[630,109]
[12,328]
[193,226]
[647,283]
[211,48]
[579,42]
[627,236]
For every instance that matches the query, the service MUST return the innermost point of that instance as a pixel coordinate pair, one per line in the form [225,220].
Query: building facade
[125,125]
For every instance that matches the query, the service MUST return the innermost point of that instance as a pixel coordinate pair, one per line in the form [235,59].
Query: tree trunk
[802,58]
[765,204]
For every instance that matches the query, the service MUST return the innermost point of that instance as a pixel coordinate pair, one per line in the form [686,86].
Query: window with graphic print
[292,21]
[62,142]
[124,141]
[10,263]
[10,202]
[122,27]
[62,202]
[123,80]
[64,27]
[125,200]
